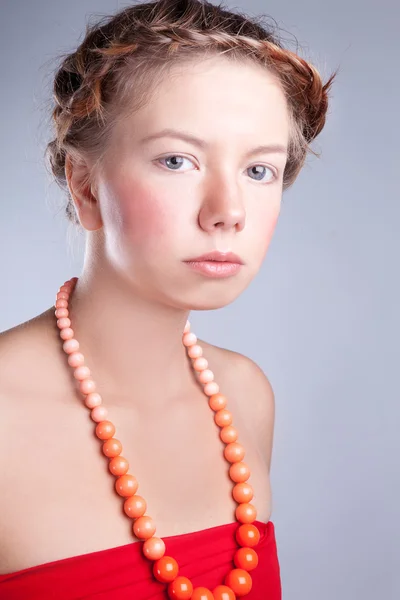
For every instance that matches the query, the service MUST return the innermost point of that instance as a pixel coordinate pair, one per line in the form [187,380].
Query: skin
[143,219]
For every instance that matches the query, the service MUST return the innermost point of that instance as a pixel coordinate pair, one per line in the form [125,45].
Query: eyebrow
[187,137]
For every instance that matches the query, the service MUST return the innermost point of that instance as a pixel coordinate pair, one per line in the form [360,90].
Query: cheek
[264,227]
[270,226]
[143,217]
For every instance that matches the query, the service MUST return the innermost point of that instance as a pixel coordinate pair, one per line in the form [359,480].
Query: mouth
[216,264]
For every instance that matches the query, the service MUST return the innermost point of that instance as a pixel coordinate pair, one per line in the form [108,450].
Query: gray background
[322,316]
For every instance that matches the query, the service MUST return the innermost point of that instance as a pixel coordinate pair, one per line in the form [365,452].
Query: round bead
[105,430]
[247,535]
[189,339]
[246,558]
[181,588]
[195,351]
[70,346]
[81,373]
[64,288]
[76,359]
[66,334]
[228,434]
[135,507]
[144,527]
[239,472]
[93,399]
[246,513]
[240,581]
[87,386]
[118,465]
[206,376]
[61,312]
[62,295]
[165,569]
[99,413]
[200,364]
[61,303]
[234,452]
[63,323]
[223,417]
[202,593]
[153,548]
[242,492]
[112,447]
[211,388]
[223,592]
[126,485]
[217,401]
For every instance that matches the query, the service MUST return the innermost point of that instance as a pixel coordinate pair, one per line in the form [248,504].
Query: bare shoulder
[245,375]
[34,329]
[25,352]
[244,381]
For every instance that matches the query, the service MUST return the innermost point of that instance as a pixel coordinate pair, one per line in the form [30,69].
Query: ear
[81,191]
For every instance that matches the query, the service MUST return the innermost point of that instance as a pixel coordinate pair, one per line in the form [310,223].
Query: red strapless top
[122,572]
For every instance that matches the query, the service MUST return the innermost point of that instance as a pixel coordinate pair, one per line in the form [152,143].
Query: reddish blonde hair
[123,57]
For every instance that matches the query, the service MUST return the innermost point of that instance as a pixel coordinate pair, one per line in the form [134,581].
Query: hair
[123,57]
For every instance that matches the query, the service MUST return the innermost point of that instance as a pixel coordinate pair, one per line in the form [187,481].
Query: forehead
[219,99]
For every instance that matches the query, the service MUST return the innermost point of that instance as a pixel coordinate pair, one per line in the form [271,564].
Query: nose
[222,207]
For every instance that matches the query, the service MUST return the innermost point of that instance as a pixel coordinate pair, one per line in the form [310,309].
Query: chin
[211,295]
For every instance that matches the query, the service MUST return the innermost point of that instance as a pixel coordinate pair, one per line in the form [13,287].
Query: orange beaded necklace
[238,581]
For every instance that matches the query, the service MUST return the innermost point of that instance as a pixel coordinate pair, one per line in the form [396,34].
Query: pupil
[174,161]
[257,172]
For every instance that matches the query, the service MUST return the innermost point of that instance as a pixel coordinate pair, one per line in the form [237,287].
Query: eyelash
[274,172]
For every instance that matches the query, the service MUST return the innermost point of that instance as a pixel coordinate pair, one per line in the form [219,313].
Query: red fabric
[121,573]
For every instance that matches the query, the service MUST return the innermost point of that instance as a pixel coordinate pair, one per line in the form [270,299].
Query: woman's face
[205,184]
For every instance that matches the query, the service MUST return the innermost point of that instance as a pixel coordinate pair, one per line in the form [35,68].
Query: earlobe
[86,204]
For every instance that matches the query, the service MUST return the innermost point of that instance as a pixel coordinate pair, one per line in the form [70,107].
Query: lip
[216,264]
[217,256]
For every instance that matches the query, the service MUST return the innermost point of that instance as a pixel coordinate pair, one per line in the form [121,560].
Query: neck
[132,345]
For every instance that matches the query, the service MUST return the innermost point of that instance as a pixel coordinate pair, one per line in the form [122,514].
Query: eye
[259,172]
[174,161]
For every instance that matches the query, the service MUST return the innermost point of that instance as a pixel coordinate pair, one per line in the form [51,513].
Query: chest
[60,500]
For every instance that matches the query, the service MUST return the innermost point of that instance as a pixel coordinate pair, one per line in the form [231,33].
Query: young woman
[135,458]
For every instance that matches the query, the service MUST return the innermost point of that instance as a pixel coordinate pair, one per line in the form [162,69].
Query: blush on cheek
[271,225]
[268,229]
[144,218]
